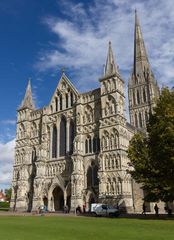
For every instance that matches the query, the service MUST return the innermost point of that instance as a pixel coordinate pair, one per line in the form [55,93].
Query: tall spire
[110,67]
[28,100]
[141,62]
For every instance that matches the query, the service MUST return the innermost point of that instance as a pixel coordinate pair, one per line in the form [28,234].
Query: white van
[99,209]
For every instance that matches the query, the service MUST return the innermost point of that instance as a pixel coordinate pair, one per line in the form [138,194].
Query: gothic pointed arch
[54,141]
[140,120]
[71,135]
[92,175]
[62,144]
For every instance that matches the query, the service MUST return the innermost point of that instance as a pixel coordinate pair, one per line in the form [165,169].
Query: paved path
[57,214]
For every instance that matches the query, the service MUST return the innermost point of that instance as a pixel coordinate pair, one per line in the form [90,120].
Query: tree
[8,194]
[152,155]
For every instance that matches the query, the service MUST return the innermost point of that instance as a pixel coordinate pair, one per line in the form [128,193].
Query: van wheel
[94,214]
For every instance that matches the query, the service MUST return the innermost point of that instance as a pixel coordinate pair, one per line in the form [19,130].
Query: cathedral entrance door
[58,199]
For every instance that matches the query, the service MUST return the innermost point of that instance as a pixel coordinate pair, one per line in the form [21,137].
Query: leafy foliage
[152,156]
[8,194]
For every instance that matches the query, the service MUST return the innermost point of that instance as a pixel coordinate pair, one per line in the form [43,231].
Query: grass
[77,228]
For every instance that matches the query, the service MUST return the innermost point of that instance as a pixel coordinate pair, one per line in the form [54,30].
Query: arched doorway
[58,199]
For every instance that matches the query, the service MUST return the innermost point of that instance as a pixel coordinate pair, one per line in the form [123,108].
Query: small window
[60,102]
[104,207]
[67,101]
[56,104]
[71,98]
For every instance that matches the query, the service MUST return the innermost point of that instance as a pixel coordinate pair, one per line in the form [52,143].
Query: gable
[64,86]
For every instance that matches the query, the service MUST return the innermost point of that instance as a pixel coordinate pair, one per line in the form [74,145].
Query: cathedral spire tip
[110,67]
[28,99]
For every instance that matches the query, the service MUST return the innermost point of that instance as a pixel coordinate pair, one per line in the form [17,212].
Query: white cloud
[8,122]
[85,30]
[6,163]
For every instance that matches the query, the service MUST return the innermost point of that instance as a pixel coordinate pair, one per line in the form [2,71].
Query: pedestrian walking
[144,208]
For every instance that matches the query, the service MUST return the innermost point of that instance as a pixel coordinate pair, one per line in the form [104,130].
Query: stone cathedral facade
[74,150]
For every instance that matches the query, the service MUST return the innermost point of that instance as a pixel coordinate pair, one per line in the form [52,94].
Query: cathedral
[74,150]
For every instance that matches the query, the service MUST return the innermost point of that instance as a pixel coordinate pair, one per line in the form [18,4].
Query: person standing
[144,208]
[156,208]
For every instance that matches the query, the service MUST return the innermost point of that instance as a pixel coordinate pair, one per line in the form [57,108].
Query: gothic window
[33,155]
[112,141]
[146,117]
[67,101]
[105,87]
[140,120]
[56,105]
[113,163]
[89,177]
[116,163]
[86,146]
[144,95]
[113,84]
[138,97]
[95,175]
[51,109]
[72,135]
[71,95]
[60,102]
[109,163]
[94,145]
[54,142]
[134,101]
[98,144]
[119,186]
[90,145]
[136,120]
[92,176]
[22,131]
[62,137]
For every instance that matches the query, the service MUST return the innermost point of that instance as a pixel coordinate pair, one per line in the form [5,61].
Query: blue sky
[38,38]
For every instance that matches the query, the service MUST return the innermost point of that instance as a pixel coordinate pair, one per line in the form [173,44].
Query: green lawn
[77,228]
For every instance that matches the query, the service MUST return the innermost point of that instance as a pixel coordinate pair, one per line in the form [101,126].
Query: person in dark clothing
[84,208]
[144,208]
[156,208]
[78,209]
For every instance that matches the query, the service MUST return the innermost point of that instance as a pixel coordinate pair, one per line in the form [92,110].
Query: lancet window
[54,142]
[62,146]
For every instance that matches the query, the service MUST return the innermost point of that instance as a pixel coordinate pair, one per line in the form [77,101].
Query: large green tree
[152,155]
